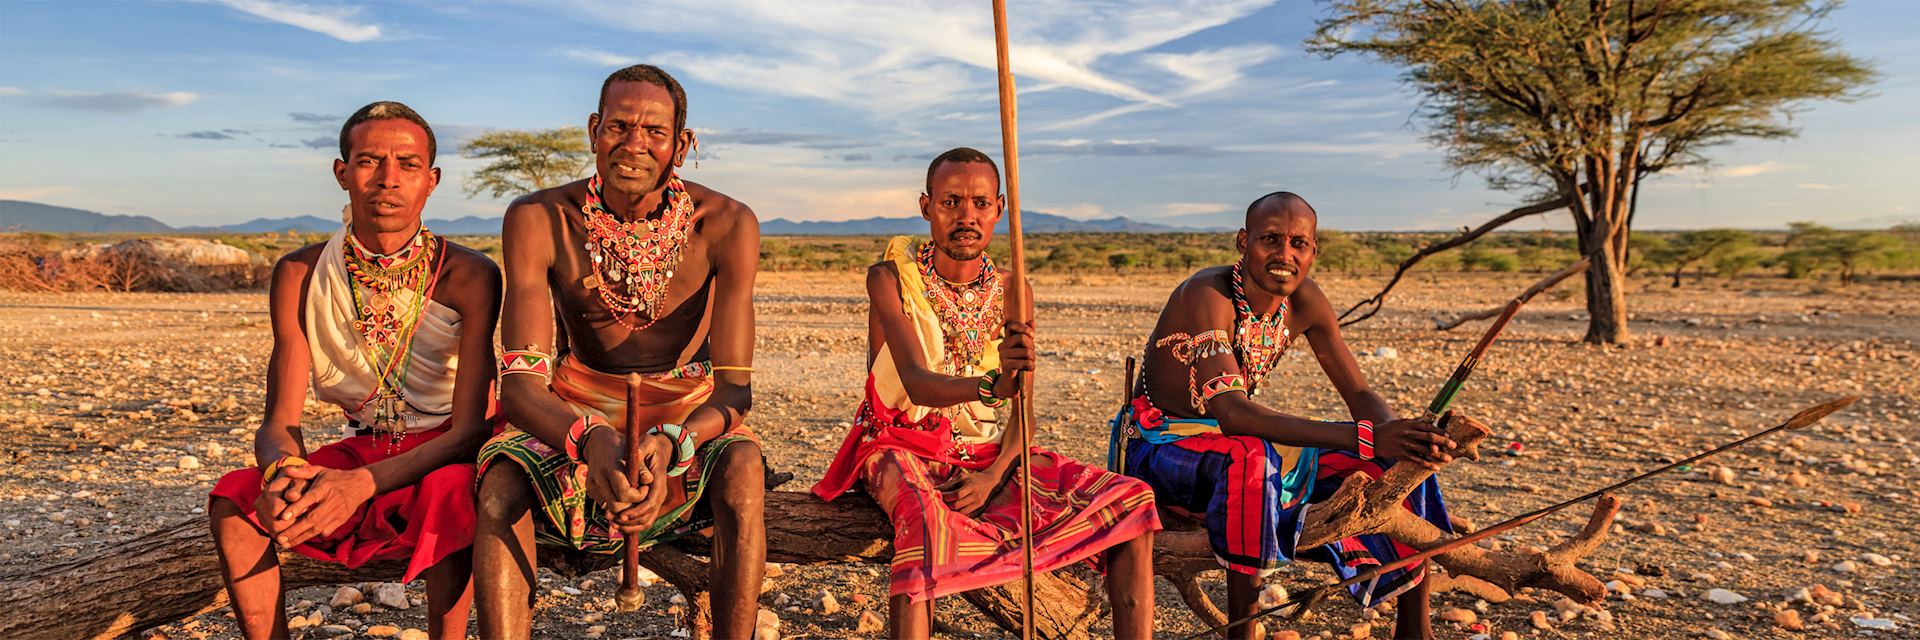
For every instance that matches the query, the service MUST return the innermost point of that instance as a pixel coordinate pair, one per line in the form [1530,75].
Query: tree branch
[1379,299]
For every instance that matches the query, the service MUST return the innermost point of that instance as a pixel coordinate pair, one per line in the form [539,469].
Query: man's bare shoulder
[1310,302]
[1204,286]
[300,261]
[551,199]
[720,209]
[466,263]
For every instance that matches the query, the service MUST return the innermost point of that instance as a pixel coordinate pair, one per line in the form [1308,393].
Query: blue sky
[221,111]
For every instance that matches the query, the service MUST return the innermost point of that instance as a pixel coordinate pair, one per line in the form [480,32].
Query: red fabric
[1078,510]
[424,522]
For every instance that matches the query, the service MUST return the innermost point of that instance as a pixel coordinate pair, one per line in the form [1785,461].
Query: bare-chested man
[395,326]
[928,444]
[1251,472]
[652,275]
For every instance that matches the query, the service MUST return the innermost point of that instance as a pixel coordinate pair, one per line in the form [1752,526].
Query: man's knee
[739,475]
[505,494]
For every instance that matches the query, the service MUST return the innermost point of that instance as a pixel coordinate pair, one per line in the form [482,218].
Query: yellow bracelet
[732,368]
[273,468]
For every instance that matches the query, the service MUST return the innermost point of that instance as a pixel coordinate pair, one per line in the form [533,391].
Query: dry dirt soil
[105,396]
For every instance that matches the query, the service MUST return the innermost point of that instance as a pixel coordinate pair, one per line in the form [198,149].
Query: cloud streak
[109,101]
[915,54]
[336,22]
[223,134]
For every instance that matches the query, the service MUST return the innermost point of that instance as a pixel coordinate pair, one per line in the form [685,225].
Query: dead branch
[1542,285]
[1379,299]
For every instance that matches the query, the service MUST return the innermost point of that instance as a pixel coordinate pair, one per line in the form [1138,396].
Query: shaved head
[1279,203]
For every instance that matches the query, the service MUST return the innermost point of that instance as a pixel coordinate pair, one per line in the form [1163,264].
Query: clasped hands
[631,508]
[304,502]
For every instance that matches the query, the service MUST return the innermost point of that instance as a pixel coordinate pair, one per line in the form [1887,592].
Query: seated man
[927,444]
[383,315]
[1208,449]
[649,275]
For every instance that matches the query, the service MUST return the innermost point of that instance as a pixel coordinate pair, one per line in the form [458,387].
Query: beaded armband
[987,383]
[683,447]
[526,361]
[1363,435]
[1220,384]
[1190,350]
[577,436]
[274,468]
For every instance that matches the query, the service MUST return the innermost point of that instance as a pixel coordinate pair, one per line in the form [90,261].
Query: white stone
[1876,559]
[1877,624]
[1723,596]
[1272,595]
[189,463]
[391,595]
[1386,353]
[1846,566]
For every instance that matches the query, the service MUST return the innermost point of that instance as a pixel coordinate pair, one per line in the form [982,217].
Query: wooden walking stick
[629,598]
[1017,305]
[1451,389]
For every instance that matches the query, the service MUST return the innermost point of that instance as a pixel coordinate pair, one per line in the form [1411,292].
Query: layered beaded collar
[634,261]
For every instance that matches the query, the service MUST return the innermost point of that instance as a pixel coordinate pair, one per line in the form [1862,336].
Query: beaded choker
[1257,341]
[633,261]
[968,311]
[387,329]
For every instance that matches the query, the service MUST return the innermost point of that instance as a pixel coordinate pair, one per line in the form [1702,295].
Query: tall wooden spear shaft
[1017,307]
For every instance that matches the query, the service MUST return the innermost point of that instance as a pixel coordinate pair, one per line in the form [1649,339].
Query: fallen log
[172,573]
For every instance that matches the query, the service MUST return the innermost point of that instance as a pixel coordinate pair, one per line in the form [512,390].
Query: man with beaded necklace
[395,325]
[642,273]
[927,444]
[1196,435]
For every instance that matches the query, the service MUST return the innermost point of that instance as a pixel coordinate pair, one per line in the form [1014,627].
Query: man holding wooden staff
[649,275]
[1195,434]
[930,447]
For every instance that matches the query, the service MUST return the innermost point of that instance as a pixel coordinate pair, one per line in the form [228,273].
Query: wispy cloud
[1122,148]
[322,142]
[1194,208]
[316,119]
[1750,170]
[223,134]
[917,54]
[598,57]
[1815,186]
[12,91]
[821,141]
[337,22]
[109,101]
[33,193]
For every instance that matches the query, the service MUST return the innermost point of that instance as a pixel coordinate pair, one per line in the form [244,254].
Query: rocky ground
[121,411]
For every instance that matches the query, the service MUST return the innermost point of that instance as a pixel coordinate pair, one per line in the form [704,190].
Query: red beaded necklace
[1258,342]
[633,261]
[968,311]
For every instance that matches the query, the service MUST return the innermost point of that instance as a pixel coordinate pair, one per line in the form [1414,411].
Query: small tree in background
[1576,102]
[1702,246]
[527,161]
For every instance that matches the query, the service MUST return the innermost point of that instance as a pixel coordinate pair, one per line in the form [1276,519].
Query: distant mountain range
[16,215]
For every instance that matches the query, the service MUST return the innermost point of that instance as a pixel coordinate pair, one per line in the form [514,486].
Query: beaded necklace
[633,261]
[1258,342]
[968,311]
[388,335]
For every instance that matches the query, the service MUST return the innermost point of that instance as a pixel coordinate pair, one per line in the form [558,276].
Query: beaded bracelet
[527,361]
[577,436]
[274,468]
[1363,433]
[987,383]
[683,446]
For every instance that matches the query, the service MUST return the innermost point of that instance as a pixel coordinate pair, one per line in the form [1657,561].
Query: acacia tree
[1703,245]
[1575,102]
[526,161]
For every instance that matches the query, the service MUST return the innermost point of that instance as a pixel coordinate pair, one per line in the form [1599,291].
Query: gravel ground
[122,409]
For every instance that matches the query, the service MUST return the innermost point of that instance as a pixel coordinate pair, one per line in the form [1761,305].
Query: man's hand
[630,508]
[968,491]
[330,497]
[1413,441]
[280,492]
[1016,354]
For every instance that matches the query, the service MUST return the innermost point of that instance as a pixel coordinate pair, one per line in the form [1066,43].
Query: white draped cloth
[343,373]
